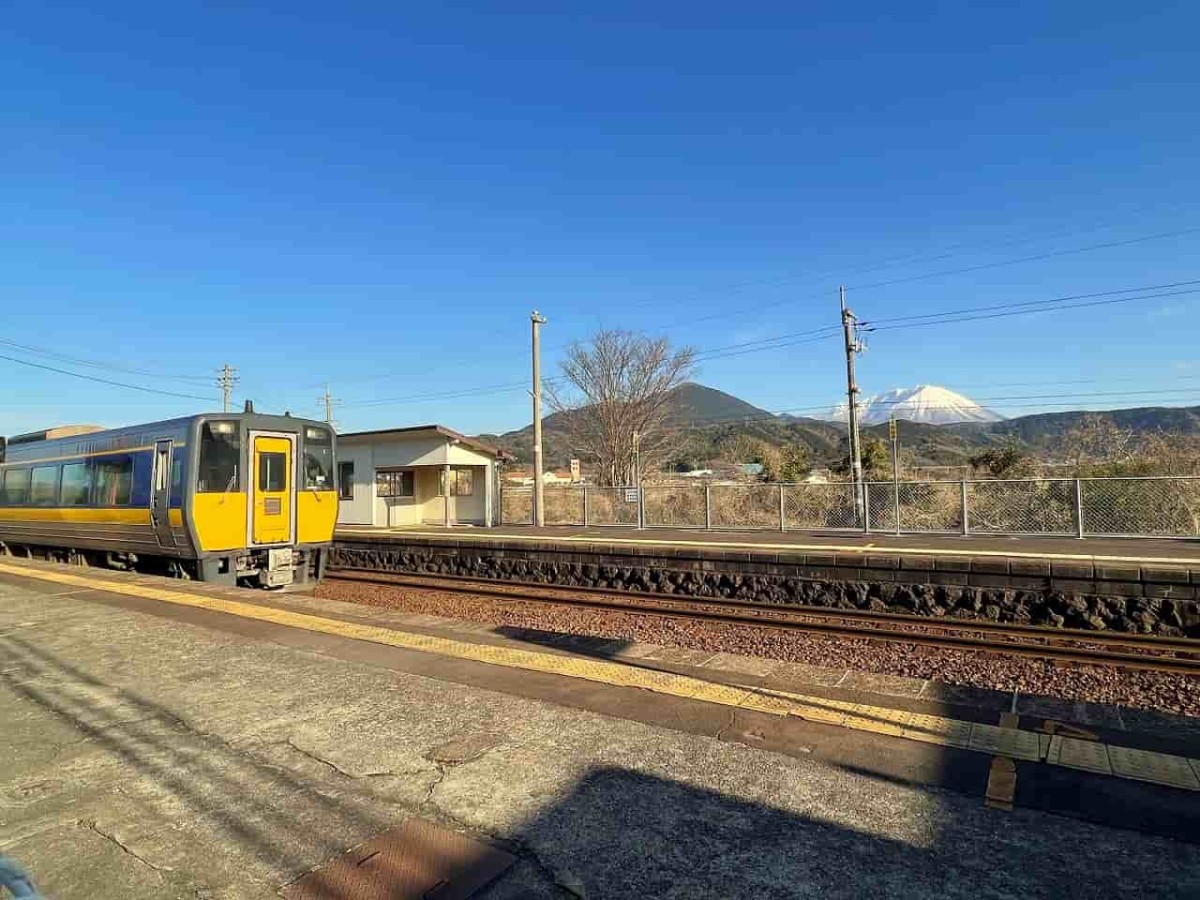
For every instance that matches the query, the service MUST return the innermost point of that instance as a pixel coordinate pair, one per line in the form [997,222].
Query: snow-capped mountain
[924,403]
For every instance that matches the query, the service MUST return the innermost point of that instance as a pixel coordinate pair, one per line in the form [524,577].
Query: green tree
[794,463]
[876,460]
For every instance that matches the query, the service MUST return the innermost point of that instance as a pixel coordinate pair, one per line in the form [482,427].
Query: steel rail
[817,621]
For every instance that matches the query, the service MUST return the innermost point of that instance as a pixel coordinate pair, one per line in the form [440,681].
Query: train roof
[50,434]
[72,438]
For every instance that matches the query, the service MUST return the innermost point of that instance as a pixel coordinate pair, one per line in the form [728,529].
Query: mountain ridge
[711,419]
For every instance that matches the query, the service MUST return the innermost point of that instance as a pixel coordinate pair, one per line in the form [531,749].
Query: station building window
[346,480]
[395,483]
[462,483]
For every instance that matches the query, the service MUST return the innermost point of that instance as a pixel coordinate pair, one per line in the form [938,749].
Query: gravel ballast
[1164,692]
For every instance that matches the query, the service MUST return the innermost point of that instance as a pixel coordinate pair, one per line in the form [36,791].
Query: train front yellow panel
[316,516]
[220,520]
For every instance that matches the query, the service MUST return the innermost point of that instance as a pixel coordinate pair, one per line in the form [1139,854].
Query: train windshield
[220,455]
[318,459]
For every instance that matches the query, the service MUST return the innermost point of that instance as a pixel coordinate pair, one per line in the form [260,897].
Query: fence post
[1079,507]
[896,491]
[966,520]
[866,507]
[782,513]
[585,506]
[708,507]
[641,494]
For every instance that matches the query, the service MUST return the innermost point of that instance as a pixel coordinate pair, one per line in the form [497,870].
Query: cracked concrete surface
[144,757]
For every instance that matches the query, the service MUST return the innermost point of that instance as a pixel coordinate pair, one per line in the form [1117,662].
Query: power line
[1030,311]
[1106,245]
[1025,303]
[98,380]
[80,361]
[830,332]
[942,273]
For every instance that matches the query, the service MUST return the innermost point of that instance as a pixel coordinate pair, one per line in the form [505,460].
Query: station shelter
[420,475]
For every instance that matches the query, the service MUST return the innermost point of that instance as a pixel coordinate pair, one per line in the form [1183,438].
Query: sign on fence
[574,470]
[631,495]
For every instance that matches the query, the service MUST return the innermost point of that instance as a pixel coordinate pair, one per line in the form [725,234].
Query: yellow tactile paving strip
[1121,762]
[717,544]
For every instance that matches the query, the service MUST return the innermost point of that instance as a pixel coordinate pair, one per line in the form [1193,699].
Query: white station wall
[425,455]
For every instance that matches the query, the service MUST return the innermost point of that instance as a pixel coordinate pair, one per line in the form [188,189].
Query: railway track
[1151,653]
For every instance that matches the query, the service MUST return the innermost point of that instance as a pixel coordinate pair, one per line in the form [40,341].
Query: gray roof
[424,430]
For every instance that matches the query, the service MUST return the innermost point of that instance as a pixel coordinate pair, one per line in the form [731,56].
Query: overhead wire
[107,366]
[107,381]
[830,332]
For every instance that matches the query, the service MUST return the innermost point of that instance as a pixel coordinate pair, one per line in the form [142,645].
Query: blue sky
[378,194]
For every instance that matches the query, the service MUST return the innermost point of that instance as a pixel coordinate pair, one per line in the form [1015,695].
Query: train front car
[236,498]
[263,503]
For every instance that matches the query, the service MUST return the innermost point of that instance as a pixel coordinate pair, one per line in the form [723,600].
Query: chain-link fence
[678,505]
[1160,506]
[1035,506]
[821,507]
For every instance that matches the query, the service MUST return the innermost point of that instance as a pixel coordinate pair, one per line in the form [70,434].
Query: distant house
[523,477]
[697,473]
[753,469]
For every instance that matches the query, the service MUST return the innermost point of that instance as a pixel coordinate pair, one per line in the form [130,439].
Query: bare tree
[613,386]
[1096,445]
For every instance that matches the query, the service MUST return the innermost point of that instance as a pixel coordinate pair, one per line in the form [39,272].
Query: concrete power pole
[226,382]
[539,510]
[852,347]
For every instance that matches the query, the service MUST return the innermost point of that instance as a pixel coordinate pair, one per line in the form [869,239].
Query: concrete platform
[162,740]
[1172,552]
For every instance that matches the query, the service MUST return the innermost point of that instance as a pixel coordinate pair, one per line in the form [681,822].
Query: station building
[421,475]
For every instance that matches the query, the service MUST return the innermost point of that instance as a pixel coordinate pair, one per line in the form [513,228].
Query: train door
[271,509]
[160,499]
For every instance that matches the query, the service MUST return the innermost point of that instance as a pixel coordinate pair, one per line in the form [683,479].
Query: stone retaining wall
[1131,606]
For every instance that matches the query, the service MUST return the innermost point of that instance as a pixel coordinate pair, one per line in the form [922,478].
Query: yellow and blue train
[239,498]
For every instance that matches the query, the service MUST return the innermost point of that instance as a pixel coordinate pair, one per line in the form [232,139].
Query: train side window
[272,472]
[176,478]
[16,487]
[76,484]
[43,485]
[220,453]
[346,480]
[113,482]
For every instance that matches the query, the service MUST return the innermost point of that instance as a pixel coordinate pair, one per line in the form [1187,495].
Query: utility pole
[539,512]
[226,381]
[894,434]
[853,346]
[329,402]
